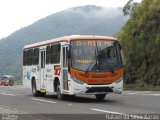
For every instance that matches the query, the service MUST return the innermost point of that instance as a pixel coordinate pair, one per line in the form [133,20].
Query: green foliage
[158,38]
[140,38]
[129,7]
[18,82]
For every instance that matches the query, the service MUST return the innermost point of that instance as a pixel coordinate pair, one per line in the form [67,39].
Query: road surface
[18,100]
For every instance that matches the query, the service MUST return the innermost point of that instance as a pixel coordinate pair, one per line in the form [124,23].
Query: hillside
[140,38]
[88,20]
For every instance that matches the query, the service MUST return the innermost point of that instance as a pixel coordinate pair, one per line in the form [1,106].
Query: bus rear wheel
[34,89]
[100,97]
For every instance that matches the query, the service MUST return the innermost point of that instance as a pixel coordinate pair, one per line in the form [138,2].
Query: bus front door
[65,68]
[42,68]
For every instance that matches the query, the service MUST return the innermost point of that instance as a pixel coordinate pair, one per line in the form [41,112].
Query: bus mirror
[123,57]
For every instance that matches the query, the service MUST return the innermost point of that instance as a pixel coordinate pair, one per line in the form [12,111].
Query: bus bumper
[115,87]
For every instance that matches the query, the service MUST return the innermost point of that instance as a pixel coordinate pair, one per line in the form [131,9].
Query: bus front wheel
[59,93]
[100,97]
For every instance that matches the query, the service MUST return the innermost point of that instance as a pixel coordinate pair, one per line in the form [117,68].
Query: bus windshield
[95,55]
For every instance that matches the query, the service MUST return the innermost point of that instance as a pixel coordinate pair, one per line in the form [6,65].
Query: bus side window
[48,54]
[36,56]
[24,57]
[55,53]
[29,57]
[27,53]
[52,54]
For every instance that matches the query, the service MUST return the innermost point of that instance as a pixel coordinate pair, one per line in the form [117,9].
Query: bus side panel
[29,73]
[35,74]
[50,77]
[26,77]
[49,72]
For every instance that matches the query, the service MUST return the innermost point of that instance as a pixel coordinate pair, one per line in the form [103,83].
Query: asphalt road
[17,102]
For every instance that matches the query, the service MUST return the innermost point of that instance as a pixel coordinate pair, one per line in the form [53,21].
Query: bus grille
[99,89]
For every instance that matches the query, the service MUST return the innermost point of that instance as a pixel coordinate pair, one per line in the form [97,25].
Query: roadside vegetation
[18,82]
[140,39]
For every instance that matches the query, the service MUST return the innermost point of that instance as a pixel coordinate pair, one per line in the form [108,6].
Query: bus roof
[68,39]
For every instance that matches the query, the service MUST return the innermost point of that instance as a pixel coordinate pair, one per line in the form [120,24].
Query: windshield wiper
[92,64]
[90,67]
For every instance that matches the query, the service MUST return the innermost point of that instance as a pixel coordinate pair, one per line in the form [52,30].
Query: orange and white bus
[74,65]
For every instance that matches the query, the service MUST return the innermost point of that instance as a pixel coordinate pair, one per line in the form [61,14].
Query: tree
[129,7]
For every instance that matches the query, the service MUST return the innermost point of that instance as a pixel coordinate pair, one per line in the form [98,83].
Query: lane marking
[41,100]
[8,94]
[150,94]
[137,92]
[99,110]
[142,94]
[118,113]
[156,94]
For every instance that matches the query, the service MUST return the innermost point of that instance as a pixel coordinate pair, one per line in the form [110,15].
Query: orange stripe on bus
[97,77]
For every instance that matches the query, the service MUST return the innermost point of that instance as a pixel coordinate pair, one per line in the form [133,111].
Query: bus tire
[35,92]
[59,93]
[100,97]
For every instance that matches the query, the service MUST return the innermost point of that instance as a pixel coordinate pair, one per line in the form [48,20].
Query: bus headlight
[78,81]
[119,80]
